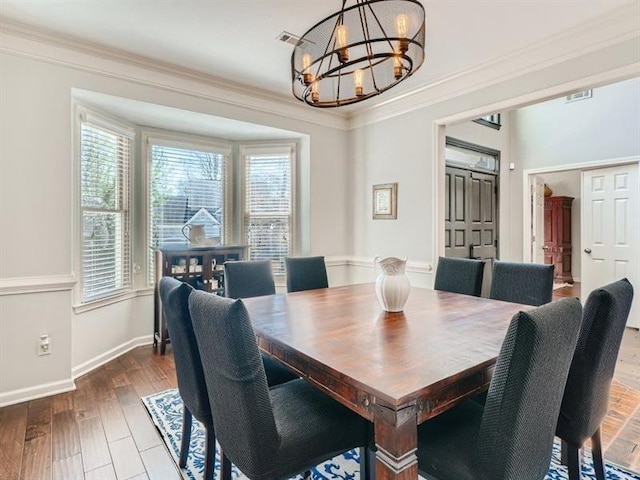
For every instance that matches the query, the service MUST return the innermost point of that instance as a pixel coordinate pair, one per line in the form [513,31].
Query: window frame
[185,141]
[84,115]
[279,148]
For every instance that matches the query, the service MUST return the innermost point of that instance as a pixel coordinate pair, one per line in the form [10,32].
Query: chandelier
[358,52]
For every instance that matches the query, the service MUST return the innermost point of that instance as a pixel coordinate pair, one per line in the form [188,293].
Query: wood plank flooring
[101,431]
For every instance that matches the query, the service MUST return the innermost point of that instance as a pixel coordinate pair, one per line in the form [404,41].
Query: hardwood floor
[101,431]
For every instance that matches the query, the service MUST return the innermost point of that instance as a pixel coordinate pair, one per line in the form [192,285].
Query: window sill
[103,302]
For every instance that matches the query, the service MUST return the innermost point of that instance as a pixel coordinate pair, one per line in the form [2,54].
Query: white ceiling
[235,40]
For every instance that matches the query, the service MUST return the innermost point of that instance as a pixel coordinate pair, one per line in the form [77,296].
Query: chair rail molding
[368,262]
[25,285]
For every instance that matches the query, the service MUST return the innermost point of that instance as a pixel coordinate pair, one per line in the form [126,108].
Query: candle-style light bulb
[402,27]
[315,96]
[307,76]
[358,77]
[342,38]
[397,67]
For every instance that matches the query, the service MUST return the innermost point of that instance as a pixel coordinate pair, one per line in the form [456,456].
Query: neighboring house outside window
[268,202]
[105,161]
[187,184]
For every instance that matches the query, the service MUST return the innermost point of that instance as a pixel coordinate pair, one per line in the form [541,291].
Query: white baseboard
[31,393]
[109,355]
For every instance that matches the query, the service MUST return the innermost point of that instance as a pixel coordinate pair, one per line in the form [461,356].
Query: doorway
[471,204]
[608,223]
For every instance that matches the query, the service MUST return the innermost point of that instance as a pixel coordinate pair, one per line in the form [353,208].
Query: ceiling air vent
[288,38]
[579,96]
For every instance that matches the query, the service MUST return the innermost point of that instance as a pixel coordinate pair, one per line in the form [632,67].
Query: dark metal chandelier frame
[349,56]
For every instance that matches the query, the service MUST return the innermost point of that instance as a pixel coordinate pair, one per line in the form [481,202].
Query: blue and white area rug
[165,409]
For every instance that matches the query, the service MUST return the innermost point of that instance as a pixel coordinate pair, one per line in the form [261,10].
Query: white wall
[36,224]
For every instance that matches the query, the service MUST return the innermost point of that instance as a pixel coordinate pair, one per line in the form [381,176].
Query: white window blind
[105,156]
[268,207]
[187,186]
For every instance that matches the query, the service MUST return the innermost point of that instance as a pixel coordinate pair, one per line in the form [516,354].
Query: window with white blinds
[186,186]
[268,204]
[105,157]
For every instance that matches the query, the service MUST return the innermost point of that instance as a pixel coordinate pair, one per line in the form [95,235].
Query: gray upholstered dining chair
[248,278]
[191,383]
[459,275]
[254,278]
[267,434]
[305,273]
[189,372]
[512,436]
[586,396]
[526,283]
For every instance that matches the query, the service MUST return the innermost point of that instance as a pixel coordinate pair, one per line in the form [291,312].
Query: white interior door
[537,219]
[610,230]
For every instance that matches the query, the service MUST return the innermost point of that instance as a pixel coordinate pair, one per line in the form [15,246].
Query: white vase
[392,285]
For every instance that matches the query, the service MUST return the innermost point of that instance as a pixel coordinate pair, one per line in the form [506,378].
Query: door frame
[474,147]
[526,197]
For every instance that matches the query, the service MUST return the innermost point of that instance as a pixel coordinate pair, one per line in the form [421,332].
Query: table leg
[396,436]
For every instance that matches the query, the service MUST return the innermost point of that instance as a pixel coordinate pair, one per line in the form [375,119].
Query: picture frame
[385,201]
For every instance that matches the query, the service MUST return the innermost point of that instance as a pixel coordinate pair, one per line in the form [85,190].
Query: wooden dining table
[395,369]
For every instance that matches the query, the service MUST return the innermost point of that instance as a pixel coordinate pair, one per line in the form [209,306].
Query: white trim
[186,142]
[103,302]
[31,393]
[367,262]
[109,355]
[526,205]
[26,41]
[49,283]
[619,25]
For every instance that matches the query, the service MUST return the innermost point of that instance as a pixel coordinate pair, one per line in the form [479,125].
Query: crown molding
[618,26]
[27,41]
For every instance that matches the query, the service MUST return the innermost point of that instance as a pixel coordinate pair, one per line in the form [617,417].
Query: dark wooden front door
[471,217]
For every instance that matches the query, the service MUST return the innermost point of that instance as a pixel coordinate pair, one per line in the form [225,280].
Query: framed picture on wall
[385,201]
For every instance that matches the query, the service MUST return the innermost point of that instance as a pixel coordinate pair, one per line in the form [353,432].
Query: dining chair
[305,273]
[459,275]
[254,278]
[267,434]
[248,278]
[527,283]
[191,382]
[586,396]
[511,437]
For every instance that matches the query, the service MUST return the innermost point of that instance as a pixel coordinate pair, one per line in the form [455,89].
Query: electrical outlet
[44,345]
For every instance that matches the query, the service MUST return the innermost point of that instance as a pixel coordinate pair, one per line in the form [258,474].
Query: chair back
[459,275]
[249,278]
[305,273]
[191,382]
[586,396]
[518,424]
[527,283]
[236,383]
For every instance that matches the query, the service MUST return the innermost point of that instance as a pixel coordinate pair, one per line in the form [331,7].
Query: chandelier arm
[367,36]
[384,32]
